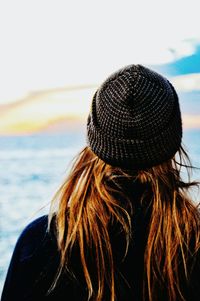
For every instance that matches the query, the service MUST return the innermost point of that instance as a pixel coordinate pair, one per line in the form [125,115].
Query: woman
[122,226]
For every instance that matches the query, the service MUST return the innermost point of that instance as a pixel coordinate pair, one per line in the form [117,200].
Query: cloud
[41,110]
[187,83]
[47,44]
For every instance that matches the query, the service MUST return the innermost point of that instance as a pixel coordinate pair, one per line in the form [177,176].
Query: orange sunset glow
[46,110]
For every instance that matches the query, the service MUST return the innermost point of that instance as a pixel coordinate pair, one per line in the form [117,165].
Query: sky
[47,44]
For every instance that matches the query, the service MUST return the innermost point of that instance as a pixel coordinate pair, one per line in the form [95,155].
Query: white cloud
[48,44]
[187,83]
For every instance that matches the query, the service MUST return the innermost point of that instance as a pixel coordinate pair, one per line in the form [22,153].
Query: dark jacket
[35,262]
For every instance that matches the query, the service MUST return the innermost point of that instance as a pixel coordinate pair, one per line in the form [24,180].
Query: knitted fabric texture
[135,120]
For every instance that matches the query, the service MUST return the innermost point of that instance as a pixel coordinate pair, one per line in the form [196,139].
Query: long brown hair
[88,202]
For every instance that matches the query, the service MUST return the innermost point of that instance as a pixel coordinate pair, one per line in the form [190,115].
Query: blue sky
[183,65]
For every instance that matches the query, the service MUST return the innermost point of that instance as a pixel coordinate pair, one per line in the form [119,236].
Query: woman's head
[134,131]
[135,119]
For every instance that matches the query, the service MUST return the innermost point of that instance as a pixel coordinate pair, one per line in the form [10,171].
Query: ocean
[32,168]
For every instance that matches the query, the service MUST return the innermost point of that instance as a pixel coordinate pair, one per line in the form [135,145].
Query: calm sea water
[31,170]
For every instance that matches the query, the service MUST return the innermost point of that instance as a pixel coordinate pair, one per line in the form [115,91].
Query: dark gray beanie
[135,119]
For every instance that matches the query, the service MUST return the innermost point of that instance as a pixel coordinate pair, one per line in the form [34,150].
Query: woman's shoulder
[34,262]
[35,237]
[39,224]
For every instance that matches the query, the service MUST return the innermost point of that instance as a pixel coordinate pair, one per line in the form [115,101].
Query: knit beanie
[135,120]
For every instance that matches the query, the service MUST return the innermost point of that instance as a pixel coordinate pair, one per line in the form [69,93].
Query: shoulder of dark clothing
[34,265]
[33,238]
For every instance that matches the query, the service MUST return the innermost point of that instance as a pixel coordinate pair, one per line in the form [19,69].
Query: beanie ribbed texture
[135,119]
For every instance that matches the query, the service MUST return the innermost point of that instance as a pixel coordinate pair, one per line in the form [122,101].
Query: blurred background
[53,55]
